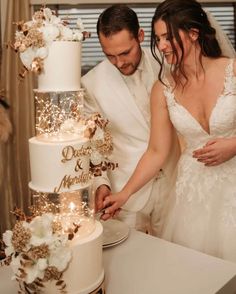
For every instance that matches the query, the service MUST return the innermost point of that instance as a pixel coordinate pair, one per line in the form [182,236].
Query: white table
[147,265]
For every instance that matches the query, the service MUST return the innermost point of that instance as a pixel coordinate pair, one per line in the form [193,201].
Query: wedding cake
[67,151]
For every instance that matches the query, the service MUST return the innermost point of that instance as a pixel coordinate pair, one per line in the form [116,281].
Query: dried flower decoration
[37,251]
[33,38]
[101,140]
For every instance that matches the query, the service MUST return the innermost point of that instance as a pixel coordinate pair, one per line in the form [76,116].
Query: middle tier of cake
[59,166]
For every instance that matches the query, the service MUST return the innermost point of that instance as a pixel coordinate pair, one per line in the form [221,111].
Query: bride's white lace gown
[202,212]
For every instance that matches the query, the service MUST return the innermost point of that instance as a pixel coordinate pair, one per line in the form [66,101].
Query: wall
[112,1]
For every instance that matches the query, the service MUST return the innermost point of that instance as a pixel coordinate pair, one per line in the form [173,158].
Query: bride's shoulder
[158,86]
[166,82]
[222,63]
[161,92]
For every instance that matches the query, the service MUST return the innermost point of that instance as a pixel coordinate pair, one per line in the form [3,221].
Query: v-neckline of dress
[219,96]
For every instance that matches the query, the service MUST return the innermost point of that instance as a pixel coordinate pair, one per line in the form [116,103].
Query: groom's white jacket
[107,93]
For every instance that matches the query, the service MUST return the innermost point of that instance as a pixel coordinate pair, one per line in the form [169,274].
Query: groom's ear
[141,35]
[193,34]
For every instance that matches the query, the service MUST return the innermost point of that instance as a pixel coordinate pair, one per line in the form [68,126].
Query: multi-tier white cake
[60,163]
[61,153]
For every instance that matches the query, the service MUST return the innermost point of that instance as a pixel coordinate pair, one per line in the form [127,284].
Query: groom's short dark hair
[117,18]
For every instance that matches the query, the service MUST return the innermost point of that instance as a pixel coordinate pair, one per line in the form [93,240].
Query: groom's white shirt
[108,93]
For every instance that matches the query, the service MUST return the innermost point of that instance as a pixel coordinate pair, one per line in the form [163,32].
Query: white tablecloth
[147,265]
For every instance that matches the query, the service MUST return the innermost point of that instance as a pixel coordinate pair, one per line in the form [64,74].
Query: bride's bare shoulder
[158,98]
[158,90]
[222,63]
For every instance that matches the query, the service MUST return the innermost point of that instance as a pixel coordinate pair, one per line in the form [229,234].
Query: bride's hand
[216,151]
[114,202]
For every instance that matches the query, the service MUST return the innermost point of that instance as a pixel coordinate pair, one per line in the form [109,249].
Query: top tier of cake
[62,67]
[50,48]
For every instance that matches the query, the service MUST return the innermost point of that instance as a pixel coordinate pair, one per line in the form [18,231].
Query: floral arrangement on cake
[38,251]
[101,144]
[33,38]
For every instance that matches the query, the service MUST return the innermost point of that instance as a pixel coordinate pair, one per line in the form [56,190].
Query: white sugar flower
[28,56]
[7,238]
[60,254]
[41,229]
[15,264]
[80,24]
[77,35]
[99,134]
[96,158]
[66,33]
[68,125]
[47,14]
[32,272]
[50,33]
[41,52]
[79,129]
[36,271]
[55,20]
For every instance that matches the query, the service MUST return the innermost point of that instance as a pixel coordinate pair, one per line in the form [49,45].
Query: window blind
[91,50]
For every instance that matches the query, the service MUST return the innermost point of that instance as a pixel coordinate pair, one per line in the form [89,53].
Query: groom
[119,88]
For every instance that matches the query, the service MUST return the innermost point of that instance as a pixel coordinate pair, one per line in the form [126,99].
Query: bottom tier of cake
[85,272]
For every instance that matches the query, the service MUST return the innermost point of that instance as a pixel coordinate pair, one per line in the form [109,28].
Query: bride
[198,99]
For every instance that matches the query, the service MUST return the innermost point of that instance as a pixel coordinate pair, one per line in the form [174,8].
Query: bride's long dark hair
[184,15]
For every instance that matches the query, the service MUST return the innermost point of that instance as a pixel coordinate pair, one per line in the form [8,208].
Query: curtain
[14,154]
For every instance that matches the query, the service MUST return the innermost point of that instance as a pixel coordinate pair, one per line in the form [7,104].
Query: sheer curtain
[14,154]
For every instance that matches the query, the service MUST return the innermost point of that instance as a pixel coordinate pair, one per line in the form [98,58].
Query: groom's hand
[101,193]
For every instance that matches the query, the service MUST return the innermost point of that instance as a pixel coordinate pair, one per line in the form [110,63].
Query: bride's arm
[151,162]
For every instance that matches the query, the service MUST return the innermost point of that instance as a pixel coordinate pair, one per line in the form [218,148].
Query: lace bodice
[222,122]
[202,210]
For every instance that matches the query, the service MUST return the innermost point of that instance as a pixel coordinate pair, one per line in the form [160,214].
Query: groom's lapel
[121,92]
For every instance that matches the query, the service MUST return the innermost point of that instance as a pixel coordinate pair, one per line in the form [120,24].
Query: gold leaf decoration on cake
[20,236]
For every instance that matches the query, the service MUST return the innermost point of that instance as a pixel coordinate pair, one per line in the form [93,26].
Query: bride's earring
[195,60]
[193,35]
